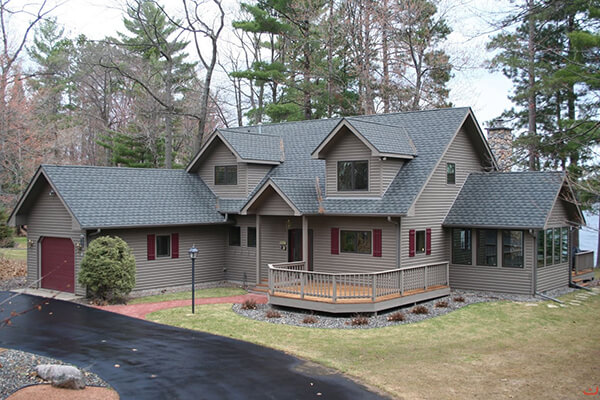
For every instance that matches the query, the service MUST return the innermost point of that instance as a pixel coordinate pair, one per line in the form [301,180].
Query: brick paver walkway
[140,310]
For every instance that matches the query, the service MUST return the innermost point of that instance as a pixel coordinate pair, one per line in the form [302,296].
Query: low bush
[420,310]
[441,304]
[272,314]
[108,269]
[398,316]
[459,299]
[358,320]
[249,304]
[309,319]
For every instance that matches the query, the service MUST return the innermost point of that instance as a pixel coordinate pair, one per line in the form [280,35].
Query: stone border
[295,317]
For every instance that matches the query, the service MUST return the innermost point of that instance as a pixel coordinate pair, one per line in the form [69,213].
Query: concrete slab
[47,293]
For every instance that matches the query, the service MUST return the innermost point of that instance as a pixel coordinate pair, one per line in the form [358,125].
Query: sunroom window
[461,247]
[487,247]
[512,249]
[353,175]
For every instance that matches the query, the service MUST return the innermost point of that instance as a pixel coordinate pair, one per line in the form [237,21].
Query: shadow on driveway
[163,362]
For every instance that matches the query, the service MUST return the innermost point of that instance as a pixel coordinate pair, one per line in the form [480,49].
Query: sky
[473,85]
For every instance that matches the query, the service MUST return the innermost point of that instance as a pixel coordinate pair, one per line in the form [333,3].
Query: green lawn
[18,253]
[201,293]
[488,350]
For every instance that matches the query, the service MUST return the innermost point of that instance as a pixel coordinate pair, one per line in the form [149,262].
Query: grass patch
[200,293]
[487,350]
[14,254]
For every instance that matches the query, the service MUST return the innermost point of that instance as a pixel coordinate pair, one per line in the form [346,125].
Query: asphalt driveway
[162,362]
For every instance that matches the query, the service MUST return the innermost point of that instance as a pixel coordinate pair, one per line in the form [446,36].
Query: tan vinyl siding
[256,173]
[240,261]
[273,230]
[436,200]
[49,218]
[349,148]
[218,155]
[164,272]
[558,216]
[500,279]
[552,277]
[389,169]
[324,261]
[271,203]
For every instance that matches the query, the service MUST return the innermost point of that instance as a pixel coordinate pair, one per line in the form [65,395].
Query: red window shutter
[376,242]
[411,243]
[428,241]
[150,247]
[174,245]
[335,241]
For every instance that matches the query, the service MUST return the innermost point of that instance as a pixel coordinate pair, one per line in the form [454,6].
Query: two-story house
[340,215]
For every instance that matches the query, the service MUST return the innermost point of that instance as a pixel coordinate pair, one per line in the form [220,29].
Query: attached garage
[58,264]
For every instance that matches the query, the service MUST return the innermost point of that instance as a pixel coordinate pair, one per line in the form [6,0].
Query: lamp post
[193,253]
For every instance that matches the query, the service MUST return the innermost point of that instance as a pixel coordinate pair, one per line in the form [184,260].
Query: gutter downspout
[398,231]
[89,236]
[548,297]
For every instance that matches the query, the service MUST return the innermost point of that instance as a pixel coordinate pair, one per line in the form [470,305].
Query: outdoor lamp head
[193,252]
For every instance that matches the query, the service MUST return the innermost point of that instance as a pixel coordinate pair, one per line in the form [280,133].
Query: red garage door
[58,264]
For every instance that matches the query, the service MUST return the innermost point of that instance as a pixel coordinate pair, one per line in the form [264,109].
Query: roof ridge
[249,133]
[517,172]
[357,118]
[347,117]
[112,167]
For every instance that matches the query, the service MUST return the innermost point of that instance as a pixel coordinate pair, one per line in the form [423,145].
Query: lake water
[588,237]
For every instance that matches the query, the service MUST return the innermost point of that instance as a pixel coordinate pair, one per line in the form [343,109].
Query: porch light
[193,252]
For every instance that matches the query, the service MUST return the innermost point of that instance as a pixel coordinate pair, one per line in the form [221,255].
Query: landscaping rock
[62,376]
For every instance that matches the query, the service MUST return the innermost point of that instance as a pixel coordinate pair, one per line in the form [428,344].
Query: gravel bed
[328,321]
[17,370]
[14,283]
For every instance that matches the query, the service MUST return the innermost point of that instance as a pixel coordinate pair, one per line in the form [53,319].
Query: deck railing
[584,260]
[293,278]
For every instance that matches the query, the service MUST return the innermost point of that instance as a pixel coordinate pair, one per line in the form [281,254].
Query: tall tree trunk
[385,58]
[307,72]
[330,62]
[531,97]
[169,117]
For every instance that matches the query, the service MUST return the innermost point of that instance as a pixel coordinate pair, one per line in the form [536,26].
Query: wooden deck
[292,286]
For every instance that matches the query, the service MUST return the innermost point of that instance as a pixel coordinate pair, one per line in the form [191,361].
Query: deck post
[334,294]
[271,286]
[258,249]
[448,274]
[305,241]
[374,287]
[402,283]
[426,277]
[301,285]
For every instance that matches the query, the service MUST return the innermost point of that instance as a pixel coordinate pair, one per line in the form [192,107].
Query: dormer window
[353,175]
[226,175]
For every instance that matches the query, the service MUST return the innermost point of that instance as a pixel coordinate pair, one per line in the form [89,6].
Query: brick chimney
[500,139]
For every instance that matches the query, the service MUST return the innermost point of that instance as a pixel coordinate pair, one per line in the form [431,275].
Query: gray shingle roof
[431,132]
[389,139]
[258,147]
[506,200]
[102,197]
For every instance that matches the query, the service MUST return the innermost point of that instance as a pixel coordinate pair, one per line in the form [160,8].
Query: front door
[295,246]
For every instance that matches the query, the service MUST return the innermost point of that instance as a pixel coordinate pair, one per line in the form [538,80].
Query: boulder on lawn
[62,376]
